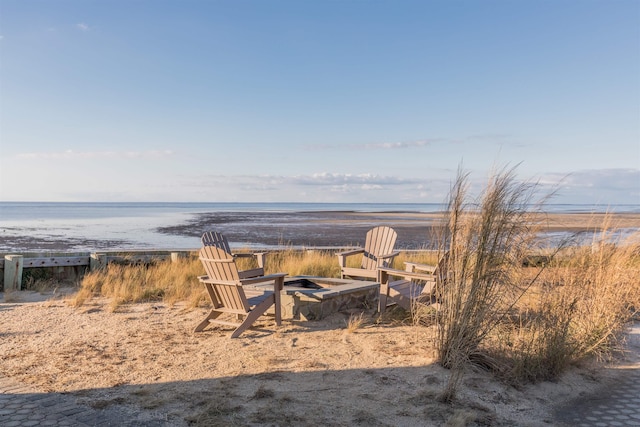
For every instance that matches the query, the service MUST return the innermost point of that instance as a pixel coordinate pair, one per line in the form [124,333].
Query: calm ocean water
[87,226]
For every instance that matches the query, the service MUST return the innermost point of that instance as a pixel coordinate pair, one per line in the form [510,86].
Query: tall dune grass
[486,241]
[527,323]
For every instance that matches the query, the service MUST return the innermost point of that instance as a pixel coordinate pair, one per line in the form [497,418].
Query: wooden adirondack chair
[213,238]
[231,294]
[418,284]
[377,252]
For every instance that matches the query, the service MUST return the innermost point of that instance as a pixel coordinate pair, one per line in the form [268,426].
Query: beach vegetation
[486,240]
[169,282]
[526,321]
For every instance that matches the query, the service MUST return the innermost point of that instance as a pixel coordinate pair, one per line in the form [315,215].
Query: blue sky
[316,101]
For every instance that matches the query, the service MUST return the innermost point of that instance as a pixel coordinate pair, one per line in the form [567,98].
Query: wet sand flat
[331,229]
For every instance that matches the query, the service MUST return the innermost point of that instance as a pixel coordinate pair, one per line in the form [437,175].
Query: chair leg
[278,286]
[252,316]
[382,299]
[212,315]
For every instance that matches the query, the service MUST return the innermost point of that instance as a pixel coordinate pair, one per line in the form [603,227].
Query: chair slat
[213,238]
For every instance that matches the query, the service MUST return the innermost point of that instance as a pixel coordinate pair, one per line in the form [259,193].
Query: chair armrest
[259,256]
[342,256]
[391,255]
[384,273]
[260,279]
[242,255]
[276,278]
[351,252]
[414,266]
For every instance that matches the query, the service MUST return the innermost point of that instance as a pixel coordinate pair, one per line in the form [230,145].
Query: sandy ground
[145,359]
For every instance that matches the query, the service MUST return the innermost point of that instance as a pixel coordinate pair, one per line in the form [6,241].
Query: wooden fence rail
[13,265]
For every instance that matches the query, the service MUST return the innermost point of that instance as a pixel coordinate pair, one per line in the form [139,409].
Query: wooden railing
[13,265]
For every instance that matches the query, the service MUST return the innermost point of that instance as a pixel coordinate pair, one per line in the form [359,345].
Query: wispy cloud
[394,145]
[597,185]
[375,145]
[325,178]
[317,179]
[71,154]
[82,26]
[314,187]
[497,138]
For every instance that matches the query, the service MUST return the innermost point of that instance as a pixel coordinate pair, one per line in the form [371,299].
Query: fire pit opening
[302,283]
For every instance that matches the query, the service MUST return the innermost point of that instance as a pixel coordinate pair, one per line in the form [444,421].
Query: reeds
[485,242]
[525,323]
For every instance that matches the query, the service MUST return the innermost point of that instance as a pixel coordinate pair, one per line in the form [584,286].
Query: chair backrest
[442,269]
[219,264]
[379,241]
[213,238]
[224,286]
[441,274]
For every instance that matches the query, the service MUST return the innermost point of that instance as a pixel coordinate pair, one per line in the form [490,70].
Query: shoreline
[307,229]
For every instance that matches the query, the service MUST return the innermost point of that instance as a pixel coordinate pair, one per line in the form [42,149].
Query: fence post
[97,261]
[176,256]
[13,272]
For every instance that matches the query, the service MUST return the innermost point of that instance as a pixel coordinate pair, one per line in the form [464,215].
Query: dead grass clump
[541,347]
[11,296]
[167,281]
[217,413]
[355,322]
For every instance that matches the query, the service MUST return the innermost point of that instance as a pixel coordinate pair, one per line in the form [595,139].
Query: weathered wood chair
[219,240]
[231,294]
[377,252]
[419,284]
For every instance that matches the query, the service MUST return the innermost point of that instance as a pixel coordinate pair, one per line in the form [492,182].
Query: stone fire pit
[314,298]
